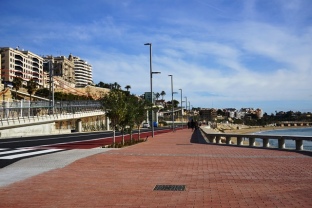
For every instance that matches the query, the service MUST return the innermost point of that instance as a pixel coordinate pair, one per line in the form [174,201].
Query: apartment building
[20,63]
[208,114]
[62,67]
[83,71]
[69,72]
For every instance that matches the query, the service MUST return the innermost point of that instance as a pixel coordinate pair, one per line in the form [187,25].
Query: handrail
[217,137]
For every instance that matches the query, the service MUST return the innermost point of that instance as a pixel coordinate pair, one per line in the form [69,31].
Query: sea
[289,144]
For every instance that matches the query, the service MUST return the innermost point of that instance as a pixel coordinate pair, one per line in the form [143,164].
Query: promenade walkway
[213,175]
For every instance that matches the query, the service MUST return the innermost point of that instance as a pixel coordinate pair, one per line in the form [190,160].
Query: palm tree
[162,94]
[157,95]
[116,86]
[17,84]
[31,87]
[128,87]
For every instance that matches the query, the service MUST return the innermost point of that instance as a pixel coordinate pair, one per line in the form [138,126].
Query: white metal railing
[14,112]
[224,138]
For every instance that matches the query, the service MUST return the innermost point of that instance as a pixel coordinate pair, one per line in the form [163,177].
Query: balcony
[19,57]
[35,65]
[35,70]
[36,60]
[19,68]
[35,75]
[19,63]
[19,74]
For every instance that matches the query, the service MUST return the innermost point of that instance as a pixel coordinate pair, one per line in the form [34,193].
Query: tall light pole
[186,104]
[181,109]
[51,86]
[172,116]
[151,81]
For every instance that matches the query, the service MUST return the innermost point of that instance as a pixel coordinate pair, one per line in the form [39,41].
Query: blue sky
[222,53]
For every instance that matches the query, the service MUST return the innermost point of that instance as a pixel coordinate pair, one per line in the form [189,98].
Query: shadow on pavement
[197,137]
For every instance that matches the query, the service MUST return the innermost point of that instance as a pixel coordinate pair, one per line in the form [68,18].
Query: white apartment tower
[20,63]
[83,71]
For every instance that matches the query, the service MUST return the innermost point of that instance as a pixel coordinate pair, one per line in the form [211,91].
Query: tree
[128,87]
[175,103]
[116,86]
[162,94]
[17,84]
[44,92]
[130,114]
[138,110]
[115,106]
[100,84]
[157,95]
[31,87]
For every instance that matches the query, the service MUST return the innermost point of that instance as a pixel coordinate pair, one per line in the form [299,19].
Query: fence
[220,138]
[22,109]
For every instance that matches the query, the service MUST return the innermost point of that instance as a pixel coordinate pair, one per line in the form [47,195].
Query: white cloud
[216,52]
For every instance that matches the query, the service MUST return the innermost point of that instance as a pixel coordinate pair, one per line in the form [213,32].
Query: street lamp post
[181,109]
[186,105]
[151,81]
[51,86]
[172,116]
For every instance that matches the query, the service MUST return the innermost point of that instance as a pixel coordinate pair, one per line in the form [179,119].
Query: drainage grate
[169,188]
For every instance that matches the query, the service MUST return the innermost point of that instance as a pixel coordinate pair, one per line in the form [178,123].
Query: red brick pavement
[214,175]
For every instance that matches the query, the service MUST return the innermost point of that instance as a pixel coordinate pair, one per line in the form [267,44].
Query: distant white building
[83,71]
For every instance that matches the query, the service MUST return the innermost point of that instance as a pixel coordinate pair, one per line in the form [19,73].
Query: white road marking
[14,151]
[29,154]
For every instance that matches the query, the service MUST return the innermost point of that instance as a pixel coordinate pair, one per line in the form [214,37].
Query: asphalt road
[35,141]
[15,149]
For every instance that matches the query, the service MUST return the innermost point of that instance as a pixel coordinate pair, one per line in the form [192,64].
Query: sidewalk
[213,175]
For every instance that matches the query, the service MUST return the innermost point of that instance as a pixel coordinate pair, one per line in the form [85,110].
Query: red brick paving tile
[215,176]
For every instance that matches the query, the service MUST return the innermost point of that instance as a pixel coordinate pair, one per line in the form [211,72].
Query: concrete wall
[35,129]
[54,124]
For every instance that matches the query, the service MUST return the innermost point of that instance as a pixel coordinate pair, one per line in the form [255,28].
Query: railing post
[79,125]
[265,142]
[107,123]
[281,143]
[218,139]
[28,108]
[299,144]
[6,109]
[252,142]
[213,139]
[21,110]
[228,140]
[239,141]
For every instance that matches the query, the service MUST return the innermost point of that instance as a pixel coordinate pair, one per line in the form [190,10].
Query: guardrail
[219,138]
